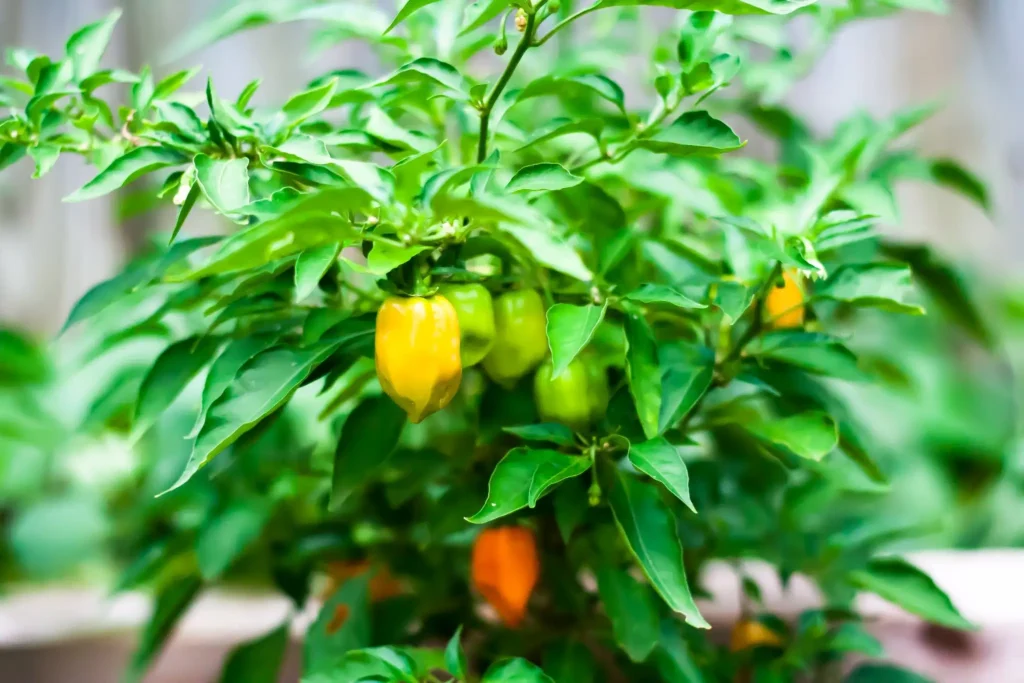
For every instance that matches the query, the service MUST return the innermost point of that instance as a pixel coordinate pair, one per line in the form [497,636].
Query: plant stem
[565,22]
[660,113]
[492,97]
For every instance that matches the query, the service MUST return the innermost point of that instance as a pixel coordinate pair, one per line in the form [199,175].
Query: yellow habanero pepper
[785,304]
[505,570]
[749,633]
[417,353]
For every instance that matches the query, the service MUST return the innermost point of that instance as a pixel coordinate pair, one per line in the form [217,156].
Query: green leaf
[171,604]
[455,656]
[695,133]
[591,127]
[480,12]
[169,375]
[224,369]
[225,537]
[551,432]
[888,286]
[522,478]
[86,46]
[649,529]
[673,658]
[723,6]
[384,257]
[311,265]
[597,84]
[884,673]
[343,625]
[811,435]
[570,328]
[515,671]
[224,182]
[316,219]
[570,661]
[660,294]
[851,637]
[123,170]
[259,660]
[905,585]
[550,250]
[225,114]
[936,6]
[542,177]
[687,373]
[662,461]
[818,353]
[631,610]
[45,157]
[431,71]
[643,372]
[367,440]
[264,384]
[307,104]
[185,210]
[53,535]
[169,85]
[407,9]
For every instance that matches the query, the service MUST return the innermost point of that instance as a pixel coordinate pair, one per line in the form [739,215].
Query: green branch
[492,97]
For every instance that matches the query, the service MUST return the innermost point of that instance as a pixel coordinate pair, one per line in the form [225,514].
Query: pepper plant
[509,356]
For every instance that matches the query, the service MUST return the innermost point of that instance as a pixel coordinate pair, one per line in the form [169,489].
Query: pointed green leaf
[551,432]
[660,294]
[224,369]
[643,372]
[522,478]
[408,9]
[169,375]
[662,461]
[570,661]
[224,538]
[86,46]
[695,133]
[631,610]
[368,438]
[550,250]
[515,671]
[888,286]
[570,328]
[687,373]
[810,435]
[455,656]
[171,603]
[258,660]
[599,85]
[307,104]
[905,585]
[311,265]
[343,625]
[384,257]
[542,177]
[649,529]
[123,170]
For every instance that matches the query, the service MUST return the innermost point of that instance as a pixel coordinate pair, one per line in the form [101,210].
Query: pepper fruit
[475,309]
[521,342]
[749,633]
[599,391]
[417,353]
[383,584]
[785,304]
[505,568]
[566,398]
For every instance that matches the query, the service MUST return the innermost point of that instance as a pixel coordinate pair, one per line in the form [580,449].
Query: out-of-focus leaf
[225,537]
[258,660]
[123,170]
[905,585]
[631,610]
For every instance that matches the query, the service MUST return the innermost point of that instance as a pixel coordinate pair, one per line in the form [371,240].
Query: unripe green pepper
[522,341]
[599,391]
[475,309]
[565,399]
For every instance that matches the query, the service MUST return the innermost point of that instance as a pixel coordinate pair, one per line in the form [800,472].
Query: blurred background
[945,424]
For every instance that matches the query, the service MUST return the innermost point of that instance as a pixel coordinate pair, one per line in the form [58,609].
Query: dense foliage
[616,343]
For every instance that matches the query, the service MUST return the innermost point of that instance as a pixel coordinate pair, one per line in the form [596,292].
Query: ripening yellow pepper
[785,304]
[417,353]
[505,570]
[749,633]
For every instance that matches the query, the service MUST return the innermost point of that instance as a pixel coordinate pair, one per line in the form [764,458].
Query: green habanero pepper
[600,391]
[522,339]
[475,309]
[565,399]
